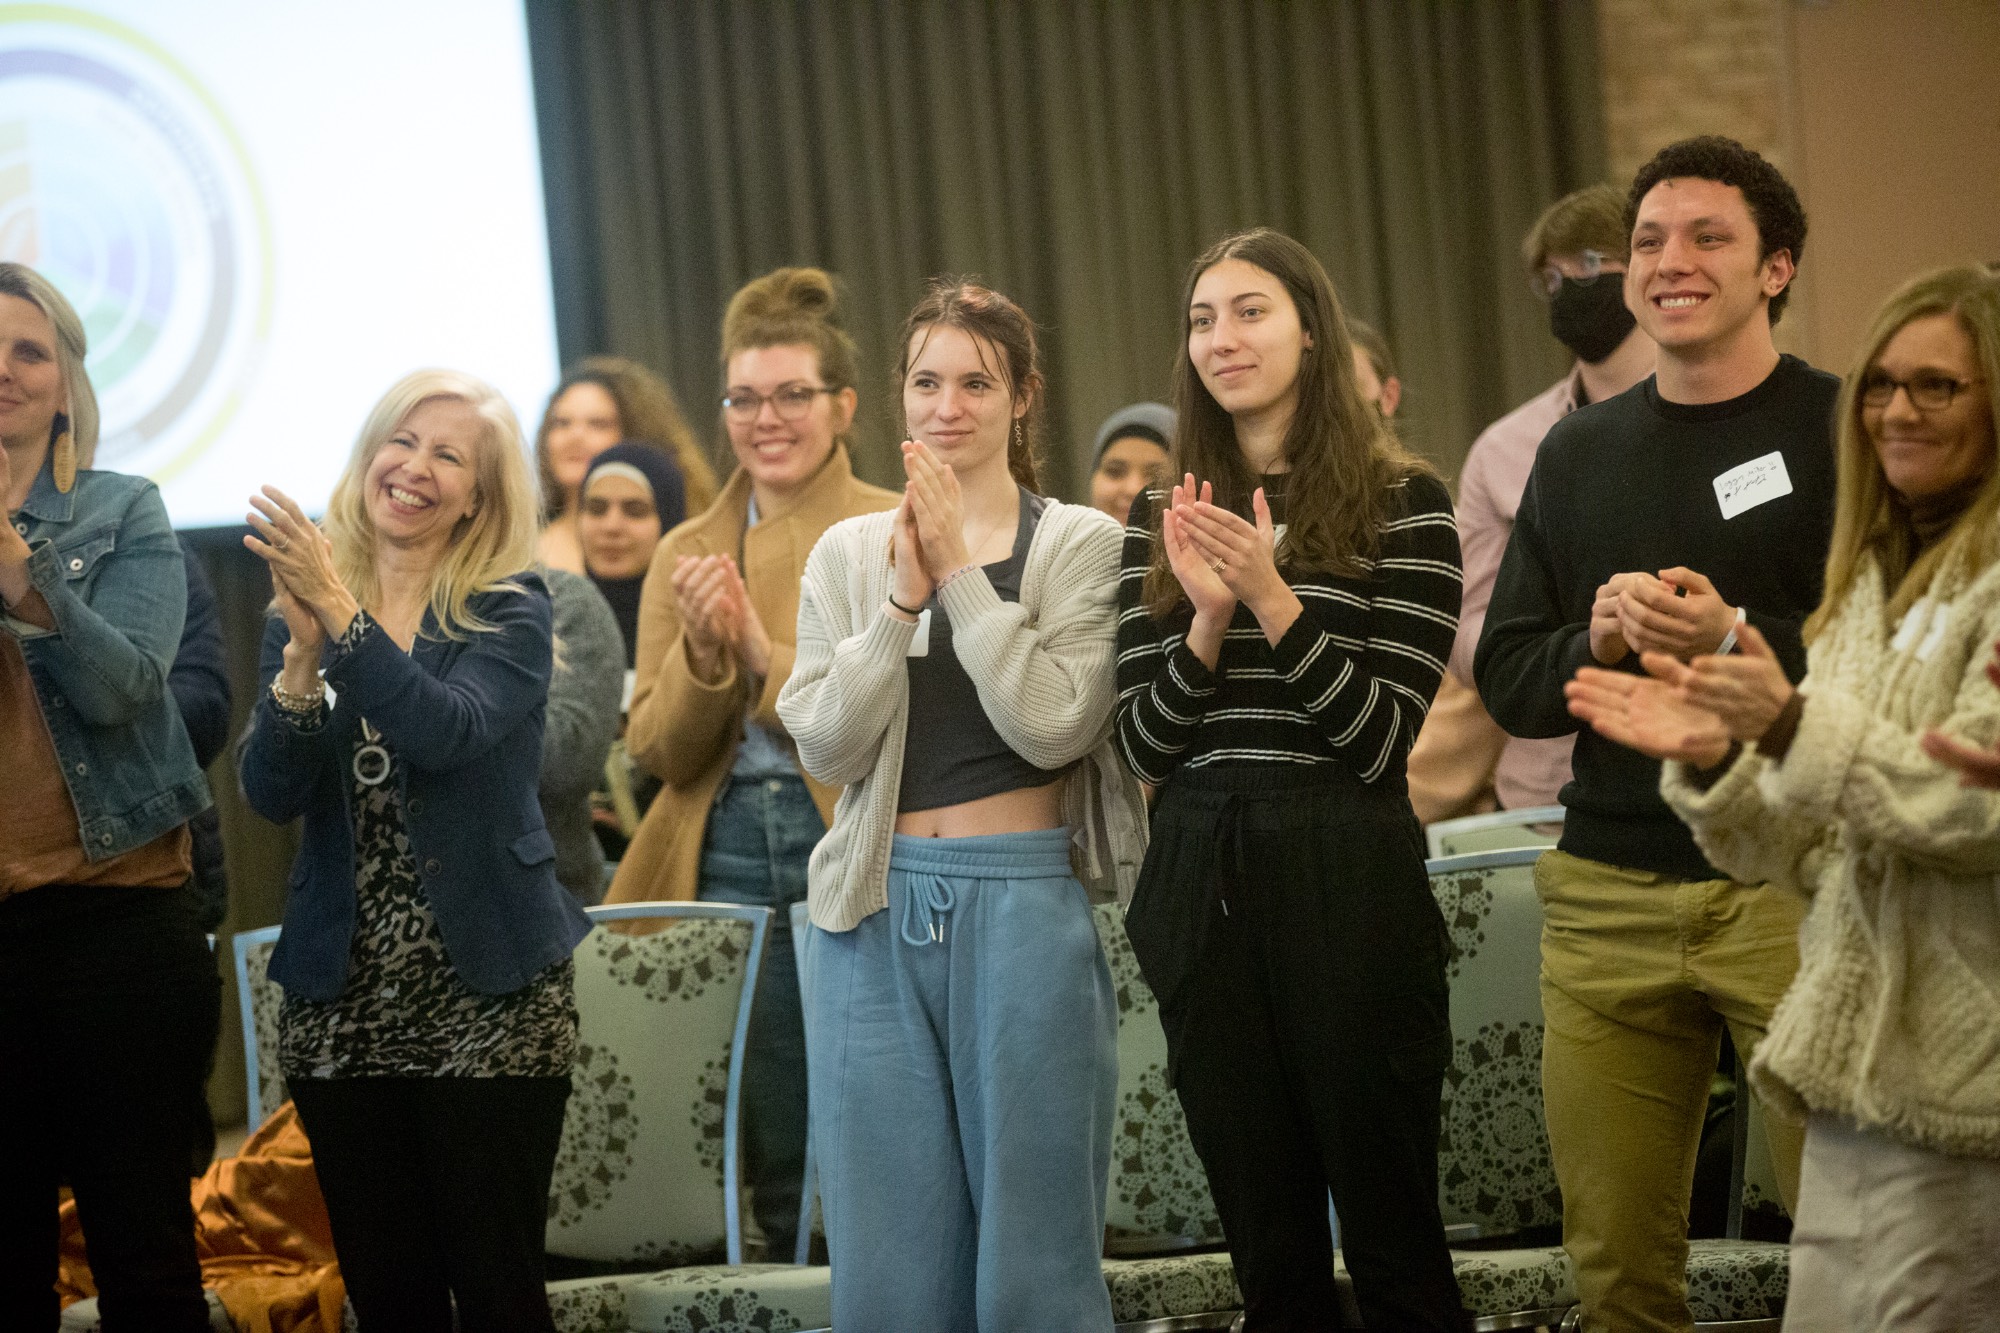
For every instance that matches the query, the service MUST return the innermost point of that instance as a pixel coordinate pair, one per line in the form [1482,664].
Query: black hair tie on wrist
[906,610]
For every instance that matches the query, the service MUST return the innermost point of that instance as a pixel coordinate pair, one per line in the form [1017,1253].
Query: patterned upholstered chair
[1535,826]
[1157,1202]
[647,1169]
[1736,1284]
[1495,1175]
[257,999]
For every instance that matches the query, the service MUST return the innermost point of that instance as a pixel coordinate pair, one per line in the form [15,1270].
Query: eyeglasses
[1549,280]
[1929,392]
[790,403]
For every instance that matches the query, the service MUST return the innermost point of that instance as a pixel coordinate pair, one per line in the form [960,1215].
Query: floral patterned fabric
[748,1298]
[1168,1288]
[1158,1189]
[1737,1279]
[639,1171]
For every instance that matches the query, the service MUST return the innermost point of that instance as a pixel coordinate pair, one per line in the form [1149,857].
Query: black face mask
[1589,316]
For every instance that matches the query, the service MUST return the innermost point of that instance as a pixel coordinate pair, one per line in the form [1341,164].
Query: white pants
[1892,1237]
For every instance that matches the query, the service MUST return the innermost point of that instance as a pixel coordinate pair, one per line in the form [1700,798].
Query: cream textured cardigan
[1894,1019]
[1043,669]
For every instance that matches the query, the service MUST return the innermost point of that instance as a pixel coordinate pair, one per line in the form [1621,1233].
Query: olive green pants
[1639,973]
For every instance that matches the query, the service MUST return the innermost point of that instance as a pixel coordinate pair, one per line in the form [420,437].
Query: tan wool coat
[1894,1017]
[685,731]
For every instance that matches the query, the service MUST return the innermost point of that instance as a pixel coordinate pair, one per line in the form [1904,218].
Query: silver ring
[1220,567]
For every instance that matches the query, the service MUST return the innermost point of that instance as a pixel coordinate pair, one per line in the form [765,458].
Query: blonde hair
[1868,517]
[79,407]
[647,414]
[489,547]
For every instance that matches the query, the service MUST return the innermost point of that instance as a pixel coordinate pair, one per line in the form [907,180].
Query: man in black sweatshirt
[1662,520]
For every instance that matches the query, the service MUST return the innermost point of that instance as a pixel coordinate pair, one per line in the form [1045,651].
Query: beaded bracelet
[297,705]
[945,582]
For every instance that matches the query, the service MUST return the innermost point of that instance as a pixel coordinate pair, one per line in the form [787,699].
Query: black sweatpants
[109,1001]
[1285,923]
[437,1188]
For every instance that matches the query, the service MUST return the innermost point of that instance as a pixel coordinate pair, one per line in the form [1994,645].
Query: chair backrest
[1158,1197]
[257,999]
[647,1170]
[1494,1167]
[1531,826]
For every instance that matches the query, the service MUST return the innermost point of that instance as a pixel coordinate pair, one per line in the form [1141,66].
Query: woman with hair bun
[738,816]
[602,401]
[955,671]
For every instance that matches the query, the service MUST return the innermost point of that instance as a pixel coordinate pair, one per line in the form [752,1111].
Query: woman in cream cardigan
[1889,1040]
[955,671]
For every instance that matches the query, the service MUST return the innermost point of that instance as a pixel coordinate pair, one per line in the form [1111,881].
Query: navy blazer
[464,717]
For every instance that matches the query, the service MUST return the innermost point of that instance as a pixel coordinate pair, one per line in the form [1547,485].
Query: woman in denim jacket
[429,1021]
[108,995]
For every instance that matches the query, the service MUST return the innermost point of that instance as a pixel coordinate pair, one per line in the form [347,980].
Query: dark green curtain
[1077,154]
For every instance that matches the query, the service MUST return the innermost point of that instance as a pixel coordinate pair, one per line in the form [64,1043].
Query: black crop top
[951,751]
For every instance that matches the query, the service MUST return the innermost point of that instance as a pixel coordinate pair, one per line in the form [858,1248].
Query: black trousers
[437,1190]
[109,1001]
[1285,923]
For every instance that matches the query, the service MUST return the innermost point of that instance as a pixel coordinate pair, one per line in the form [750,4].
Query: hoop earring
[63,464]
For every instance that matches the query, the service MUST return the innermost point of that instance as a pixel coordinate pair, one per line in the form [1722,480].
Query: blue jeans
[965,1068]
[760,833]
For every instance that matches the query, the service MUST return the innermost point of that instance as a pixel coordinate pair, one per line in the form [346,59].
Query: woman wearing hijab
[631,495]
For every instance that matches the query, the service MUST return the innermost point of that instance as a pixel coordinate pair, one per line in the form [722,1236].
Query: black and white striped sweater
[1349,683]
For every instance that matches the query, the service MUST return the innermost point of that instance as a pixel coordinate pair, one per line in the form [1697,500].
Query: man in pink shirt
[1463,762]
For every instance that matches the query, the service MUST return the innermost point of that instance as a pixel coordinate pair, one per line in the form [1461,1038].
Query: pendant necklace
[371,761]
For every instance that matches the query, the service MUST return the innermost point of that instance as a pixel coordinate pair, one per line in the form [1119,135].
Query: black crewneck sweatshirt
[1629,484]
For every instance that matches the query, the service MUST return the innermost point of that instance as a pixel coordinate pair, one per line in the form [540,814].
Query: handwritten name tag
[1753,483]
[920,642]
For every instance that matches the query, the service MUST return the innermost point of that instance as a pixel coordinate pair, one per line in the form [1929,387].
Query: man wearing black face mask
[1575,254]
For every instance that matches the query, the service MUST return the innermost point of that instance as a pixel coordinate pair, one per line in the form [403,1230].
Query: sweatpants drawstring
[928,894]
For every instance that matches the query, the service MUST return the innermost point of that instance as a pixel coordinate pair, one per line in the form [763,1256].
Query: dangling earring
[63,465]
[1020,437]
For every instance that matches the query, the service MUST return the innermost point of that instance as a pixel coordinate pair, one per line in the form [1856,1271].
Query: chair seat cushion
[1491,1283]
[1164,1288]
[591,1304]
[1737,1279]
[721,1298]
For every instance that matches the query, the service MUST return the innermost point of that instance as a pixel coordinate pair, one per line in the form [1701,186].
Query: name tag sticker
[1753,483]
[920,642]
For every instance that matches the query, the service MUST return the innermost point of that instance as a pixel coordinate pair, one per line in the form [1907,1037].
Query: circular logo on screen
[122,181]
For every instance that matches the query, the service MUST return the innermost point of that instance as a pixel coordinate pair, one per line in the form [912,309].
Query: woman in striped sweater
[1285,615]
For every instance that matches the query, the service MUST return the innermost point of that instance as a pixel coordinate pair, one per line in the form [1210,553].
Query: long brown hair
[996,321]
[1868,517]
[1345,462]
[647,414]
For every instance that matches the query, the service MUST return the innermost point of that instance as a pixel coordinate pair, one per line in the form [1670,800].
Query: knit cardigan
[1894,1018]
[1043,670]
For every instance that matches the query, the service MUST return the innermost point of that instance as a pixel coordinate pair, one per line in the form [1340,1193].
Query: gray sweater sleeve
[585,690]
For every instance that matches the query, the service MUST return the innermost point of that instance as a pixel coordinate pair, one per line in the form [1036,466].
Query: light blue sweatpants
[963,1066]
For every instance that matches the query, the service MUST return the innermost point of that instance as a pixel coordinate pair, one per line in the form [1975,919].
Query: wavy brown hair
[647,414]
[994,321]
[1345,462]
[1871,519]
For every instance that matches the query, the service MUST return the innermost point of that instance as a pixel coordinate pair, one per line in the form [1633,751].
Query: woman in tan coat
[738,816]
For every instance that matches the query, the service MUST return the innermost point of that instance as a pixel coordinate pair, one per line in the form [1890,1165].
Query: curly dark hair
[1774,204]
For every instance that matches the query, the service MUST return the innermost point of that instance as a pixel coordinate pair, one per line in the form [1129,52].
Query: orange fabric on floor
[261,1230]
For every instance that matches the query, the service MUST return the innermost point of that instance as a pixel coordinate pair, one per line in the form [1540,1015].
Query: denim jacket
[465,718]
[105,560]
